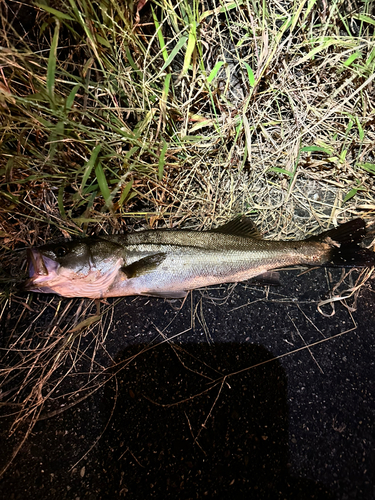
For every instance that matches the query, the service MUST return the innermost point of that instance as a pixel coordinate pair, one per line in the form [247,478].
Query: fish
[169,263]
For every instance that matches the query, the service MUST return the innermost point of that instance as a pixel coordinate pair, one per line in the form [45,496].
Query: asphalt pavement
[239,392]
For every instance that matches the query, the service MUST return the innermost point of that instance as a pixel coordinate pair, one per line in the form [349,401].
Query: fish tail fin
[345,245]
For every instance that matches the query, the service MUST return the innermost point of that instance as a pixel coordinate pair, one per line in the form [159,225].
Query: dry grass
[176,117]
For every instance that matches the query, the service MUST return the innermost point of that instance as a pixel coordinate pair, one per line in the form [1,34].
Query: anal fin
[268,278]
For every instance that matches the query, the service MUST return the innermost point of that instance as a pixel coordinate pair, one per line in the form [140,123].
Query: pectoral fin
[143,266]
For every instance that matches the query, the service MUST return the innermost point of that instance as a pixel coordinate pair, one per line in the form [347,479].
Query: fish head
[84,268]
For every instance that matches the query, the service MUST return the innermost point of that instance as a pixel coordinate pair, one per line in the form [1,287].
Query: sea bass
[169,263]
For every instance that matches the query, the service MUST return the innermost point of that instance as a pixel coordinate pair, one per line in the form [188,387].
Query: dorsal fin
[240,226]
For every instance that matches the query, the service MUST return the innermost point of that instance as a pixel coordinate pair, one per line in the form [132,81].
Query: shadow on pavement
[183,427]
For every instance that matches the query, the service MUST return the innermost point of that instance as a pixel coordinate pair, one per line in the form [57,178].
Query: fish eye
[60,251]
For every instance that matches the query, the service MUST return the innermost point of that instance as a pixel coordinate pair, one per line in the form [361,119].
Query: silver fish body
[193,260]
[170,263]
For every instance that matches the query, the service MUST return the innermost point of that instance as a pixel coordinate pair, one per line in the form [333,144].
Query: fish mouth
[41,269]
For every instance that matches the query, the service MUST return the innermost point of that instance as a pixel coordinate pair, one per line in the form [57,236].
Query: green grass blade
[163,47]
[369,167]
[215,71]
[350,195]
[89,166]
[125,193]
[316,149]
[174,52]
[162,160]
[250,74]
[190,48]
[131,61]
[54,12]
[360,129]
[364,18]
[371,57]
[55,138]
[51,68]
[164,98]
[103,185]
[352,58]
[280,171]
[70,99]
[166,86]
[223,8]
[60,202]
